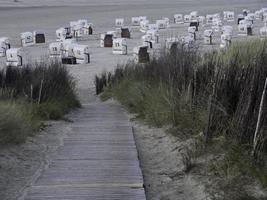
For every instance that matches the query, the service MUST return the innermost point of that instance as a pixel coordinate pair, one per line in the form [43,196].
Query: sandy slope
[161,162]
[19,164]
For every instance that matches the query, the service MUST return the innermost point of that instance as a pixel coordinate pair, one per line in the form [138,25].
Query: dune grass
[31,94]
[218,94]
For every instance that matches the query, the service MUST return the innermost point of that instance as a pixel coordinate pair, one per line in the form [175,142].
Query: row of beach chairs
[70,51]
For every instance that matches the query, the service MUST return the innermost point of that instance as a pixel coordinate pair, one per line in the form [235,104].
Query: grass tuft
[28,95]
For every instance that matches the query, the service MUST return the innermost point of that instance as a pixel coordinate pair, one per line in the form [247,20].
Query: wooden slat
[86,193]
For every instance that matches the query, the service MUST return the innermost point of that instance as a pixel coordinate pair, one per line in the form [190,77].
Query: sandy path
[20,165]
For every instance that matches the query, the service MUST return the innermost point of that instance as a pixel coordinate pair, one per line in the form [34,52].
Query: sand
[20,164]
[163,169]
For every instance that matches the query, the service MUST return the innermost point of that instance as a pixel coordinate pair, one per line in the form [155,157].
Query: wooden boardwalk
[98,160]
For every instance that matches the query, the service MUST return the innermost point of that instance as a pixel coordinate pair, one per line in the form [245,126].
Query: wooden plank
[94,164]
[97,161]
[86,193]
